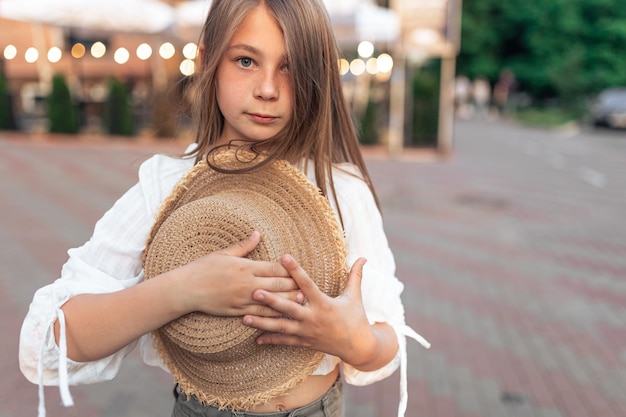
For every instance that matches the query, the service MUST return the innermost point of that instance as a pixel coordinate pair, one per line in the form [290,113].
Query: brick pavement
[512,252]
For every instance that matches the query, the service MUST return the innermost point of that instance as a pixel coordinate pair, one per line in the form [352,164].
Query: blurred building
[382,41]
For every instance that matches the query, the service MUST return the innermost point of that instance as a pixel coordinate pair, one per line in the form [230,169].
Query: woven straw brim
[214,358]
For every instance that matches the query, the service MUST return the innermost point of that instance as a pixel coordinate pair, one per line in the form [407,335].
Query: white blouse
[111,261]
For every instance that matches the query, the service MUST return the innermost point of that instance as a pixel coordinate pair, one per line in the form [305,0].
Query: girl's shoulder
[162,166]
[344,174]
[159,174]
[347,177]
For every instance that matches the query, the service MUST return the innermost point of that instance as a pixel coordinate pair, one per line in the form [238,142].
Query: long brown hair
[321,126]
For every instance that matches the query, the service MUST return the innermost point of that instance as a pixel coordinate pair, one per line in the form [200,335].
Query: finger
[281,339]
[268,269]
[243,247]
[275,325]
[355,277]
[277,285]
[286,306]
[292,296]
[260,310]
[301,277]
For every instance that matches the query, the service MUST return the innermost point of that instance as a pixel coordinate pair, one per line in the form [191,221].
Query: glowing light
[190,50]
[144,51]
[167,50]
[385,63]
[365,49]
[10,52]
[98,50]
[54,54]
[357,66]
[371,66]
[31,55]
[344,66]
[78,50]
[121,55]
[187,67]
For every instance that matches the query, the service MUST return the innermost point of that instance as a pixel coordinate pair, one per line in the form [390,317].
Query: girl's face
[253,85]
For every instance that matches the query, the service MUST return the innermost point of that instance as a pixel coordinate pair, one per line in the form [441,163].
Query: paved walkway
[513,252]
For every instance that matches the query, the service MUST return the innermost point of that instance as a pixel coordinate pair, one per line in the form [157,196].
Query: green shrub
[425,107]
[62,113]
[117,112]
[7,116]
[369,124]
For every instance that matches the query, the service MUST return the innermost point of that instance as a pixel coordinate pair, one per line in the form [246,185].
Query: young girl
[268,80]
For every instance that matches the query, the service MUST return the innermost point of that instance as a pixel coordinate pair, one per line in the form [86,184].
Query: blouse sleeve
[381,289]
[110,261]
[116,241]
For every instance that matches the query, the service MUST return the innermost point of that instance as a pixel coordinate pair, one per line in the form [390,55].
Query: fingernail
[287,259]
[253,235]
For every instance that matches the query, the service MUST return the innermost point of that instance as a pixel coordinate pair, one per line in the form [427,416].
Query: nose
[268,85]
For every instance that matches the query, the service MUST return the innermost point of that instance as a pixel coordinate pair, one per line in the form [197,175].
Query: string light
[344,66]
[98,50]
[190,50]
[121,55]
[385,63]
[365,49]
[32,55]
[78,50]
[371,66]
[144,51]
[10,52]
[54,54]
[187,67]
[167,50]
[380,66]
[357,66]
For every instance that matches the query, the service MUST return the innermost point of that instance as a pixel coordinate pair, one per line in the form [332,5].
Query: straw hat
[216,359]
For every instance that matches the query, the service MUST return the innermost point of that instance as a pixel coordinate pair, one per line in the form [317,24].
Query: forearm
[374,350]
[98,325]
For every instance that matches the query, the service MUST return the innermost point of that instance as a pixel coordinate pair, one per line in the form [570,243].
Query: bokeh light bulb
[187,67]
[10,52]
[190,50]
[357,66]
[54,54]
[167,50]
[98,50]
[385,63]
[365,49]
[31,55]
[78,50]
[344,66]
[121,55]
[371,66]
[144,51]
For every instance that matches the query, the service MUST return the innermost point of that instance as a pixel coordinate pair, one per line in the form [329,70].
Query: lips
[262,118]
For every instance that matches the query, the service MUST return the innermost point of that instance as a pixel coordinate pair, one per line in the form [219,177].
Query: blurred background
[119,67]
[493,131]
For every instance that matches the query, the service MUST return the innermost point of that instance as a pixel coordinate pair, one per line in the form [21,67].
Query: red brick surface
[514,268]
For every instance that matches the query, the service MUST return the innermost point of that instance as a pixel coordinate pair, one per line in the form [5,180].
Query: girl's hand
[337,326]
[222,282]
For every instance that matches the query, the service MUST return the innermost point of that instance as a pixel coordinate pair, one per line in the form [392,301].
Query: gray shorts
[328,405]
